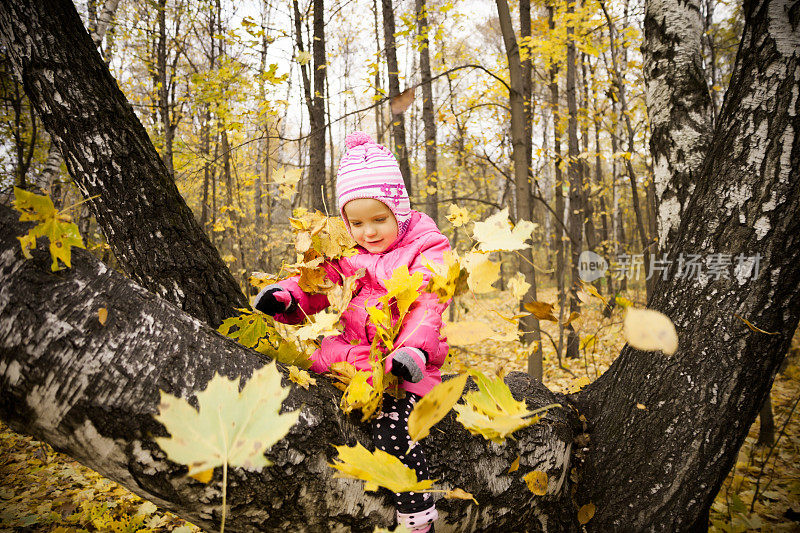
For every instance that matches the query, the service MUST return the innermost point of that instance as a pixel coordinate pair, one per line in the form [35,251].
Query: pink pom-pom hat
[370,170]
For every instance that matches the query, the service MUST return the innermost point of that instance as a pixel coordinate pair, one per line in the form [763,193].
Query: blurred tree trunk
[315,103]
[574,170]
[398,120]
[561,270]
[529,325]
[619,84]
[431,172]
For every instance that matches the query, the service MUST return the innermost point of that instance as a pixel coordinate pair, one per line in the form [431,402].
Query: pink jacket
[422,324]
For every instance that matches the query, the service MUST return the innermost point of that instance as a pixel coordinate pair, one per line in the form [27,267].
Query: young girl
[375,207]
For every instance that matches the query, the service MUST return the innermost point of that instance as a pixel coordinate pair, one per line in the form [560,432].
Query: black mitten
[274,299]
[409,364]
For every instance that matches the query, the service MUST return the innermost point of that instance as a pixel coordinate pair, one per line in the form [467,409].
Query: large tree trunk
[398,121]
[91,391]
[431,172]
[574,171]
[529,324]
[150,228]
[746,202]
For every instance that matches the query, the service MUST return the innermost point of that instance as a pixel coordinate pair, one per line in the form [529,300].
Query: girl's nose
[369,230]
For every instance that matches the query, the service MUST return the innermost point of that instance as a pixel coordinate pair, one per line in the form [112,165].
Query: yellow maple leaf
[403,287]
[343,372]
[458,216]
[649,330]
[482,272]
[448,279]
[320,324]
[377,468]
[230,426]
[301,377]
[495,233]
[492,411]
[434,406]
[340,295]
[287,180]
[519,287]
[57,226]
[382,319]
[359,394]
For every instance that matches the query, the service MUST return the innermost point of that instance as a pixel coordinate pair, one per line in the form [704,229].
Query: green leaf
[230,427]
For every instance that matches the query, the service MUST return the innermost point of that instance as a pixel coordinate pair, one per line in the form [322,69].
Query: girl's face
[372,224]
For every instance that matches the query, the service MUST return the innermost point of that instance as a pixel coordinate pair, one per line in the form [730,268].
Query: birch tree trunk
[91,390]
[746,202]
[151,230]
[679,107]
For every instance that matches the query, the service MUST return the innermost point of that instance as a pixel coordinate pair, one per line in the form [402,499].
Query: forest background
[249,103]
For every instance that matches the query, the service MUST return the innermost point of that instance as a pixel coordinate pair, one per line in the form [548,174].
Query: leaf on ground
[102,315]
[649,330]
[585,513]
[459,494]
[514,466]
[495,233]
[537,482]
[377,468]
[230,426]
[434,406]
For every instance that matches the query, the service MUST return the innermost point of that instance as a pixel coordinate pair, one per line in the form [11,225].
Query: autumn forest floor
[42,490]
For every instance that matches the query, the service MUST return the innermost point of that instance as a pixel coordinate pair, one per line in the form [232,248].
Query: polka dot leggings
[390,434]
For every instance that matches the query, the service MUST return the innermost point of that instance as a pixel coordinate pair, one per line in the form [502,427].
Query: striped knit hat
[369,170]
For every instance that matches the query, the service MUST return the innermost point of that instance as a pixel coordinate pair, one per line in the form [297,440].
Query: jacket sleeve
[304,303]
[423,322]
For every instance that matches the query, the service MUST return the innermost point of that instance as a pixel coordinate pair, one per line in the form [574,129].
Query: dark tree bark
[431,172]
[150,228]
[558,162]
[574,171]
[529,324]
[746,201]
[398,121]
[91,391]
